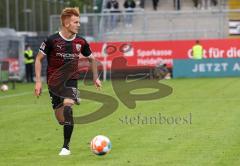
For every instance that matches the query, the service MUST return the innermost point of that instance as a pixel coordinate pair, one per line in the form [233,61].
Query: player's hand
[38,88]
[98,84]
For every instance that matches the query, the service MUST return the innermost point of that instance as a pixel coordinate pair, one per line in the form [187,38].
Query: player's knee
[68,102]
[68,117]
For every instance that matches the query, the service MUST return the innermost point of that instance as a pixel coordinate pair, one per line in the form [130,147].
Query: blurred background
[136,23]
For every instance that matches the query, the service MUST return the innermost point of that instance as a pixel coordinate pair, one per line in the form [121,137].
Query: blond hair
[69,12]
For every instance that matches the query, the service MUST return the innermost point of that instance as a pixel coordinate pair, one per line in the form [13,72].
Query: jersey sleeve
[45,47]
[86,51]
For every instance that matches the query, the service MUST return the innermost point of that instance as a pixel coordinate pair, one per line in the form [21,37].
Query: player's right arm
[38,69]
[43,51]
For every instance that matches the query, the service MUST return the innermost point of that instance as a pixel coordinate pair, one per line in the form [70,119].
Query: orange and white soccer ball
[101,145]
[4,87]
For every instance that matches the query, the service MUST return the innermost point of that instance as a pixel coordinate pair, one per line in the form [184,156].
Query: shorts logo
[78,47]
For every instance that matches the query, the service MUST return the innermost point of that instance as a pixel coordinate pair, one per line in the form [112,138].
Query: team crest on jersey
[78,47]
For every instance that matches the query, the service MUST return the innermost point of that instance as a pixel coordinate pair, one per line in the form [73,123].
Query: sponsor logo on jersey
[67,55]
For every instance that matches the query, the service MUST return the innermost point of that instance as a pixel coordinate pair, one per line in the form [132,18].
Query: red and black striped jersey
[60,51]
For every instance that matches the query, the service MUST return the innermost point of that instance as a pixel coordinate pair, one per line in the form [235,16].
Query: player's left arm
[96,80]
[86,51]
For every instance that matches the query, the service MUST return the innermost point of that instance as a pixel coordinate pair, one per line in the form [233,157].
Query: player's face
[74,24]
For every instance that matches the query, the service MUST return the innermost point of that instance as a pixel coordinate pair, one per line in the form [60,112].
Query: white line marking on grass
[19,94]
[202,99]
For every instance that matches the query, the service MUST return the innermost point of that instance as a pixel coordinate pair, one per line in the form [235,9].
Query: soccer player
[61,48]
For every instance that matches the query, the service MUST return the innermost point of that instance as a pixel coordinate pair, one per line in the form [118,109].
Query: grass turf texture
[30,135]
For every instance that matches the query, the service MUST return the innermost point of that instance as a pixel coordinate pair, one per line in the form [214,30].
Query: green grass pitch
[202,128]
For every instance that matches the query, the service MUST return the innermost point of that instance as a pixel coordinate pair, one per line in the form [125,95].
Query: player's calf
[68,115]
[67,111]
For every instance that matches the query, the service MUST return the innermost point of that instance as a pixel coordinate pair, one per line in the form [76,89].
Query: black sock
[68,127]
[68,115]
[67,133]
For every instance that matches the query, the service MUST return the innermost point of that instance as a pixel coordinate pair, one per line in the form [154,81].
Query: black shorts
[57,101]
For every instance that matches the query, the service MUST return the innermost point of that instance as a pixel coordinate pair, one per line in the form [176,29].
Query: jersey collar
[66,38]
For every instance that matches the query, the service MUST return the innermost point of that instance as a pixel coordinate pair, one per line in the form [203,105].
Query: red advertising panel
[149,53]
[14,65]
